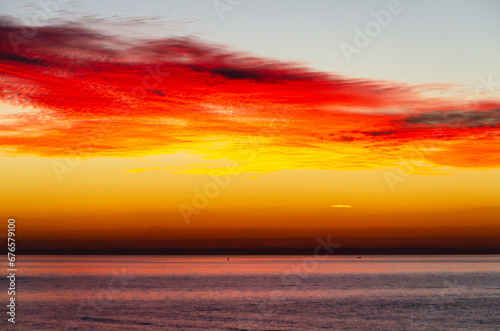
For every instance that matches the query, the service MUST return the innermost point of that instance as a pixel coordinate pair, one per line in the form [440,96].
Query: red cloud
[179,91]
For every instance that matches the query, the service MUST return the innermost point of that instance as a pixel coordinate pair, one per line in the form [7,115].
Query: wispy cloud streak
[181,94]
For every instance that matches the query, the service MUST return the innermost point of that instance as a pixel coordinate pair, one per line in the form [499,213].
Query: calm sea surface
[256,293]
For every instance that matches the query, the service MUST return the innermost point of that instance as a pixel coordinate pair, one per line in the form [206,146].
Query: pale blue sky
[453,41]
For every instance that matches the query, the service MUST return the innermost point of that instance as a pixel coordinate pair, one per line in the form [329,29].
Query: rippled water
[258,292]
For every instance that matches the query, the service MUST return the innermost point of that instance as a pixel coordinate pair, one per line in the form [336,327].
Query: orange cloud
[72,91]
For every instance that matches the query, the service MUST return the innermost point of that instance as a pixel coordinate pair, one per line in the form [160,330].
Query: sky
[215,124]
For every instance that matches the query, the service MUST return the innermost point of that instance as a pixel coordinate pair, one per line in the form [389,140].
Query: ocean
[256,293]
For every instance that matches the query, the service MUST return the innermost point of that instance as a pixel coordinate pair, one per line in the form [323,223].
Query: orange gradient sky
[118,137]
